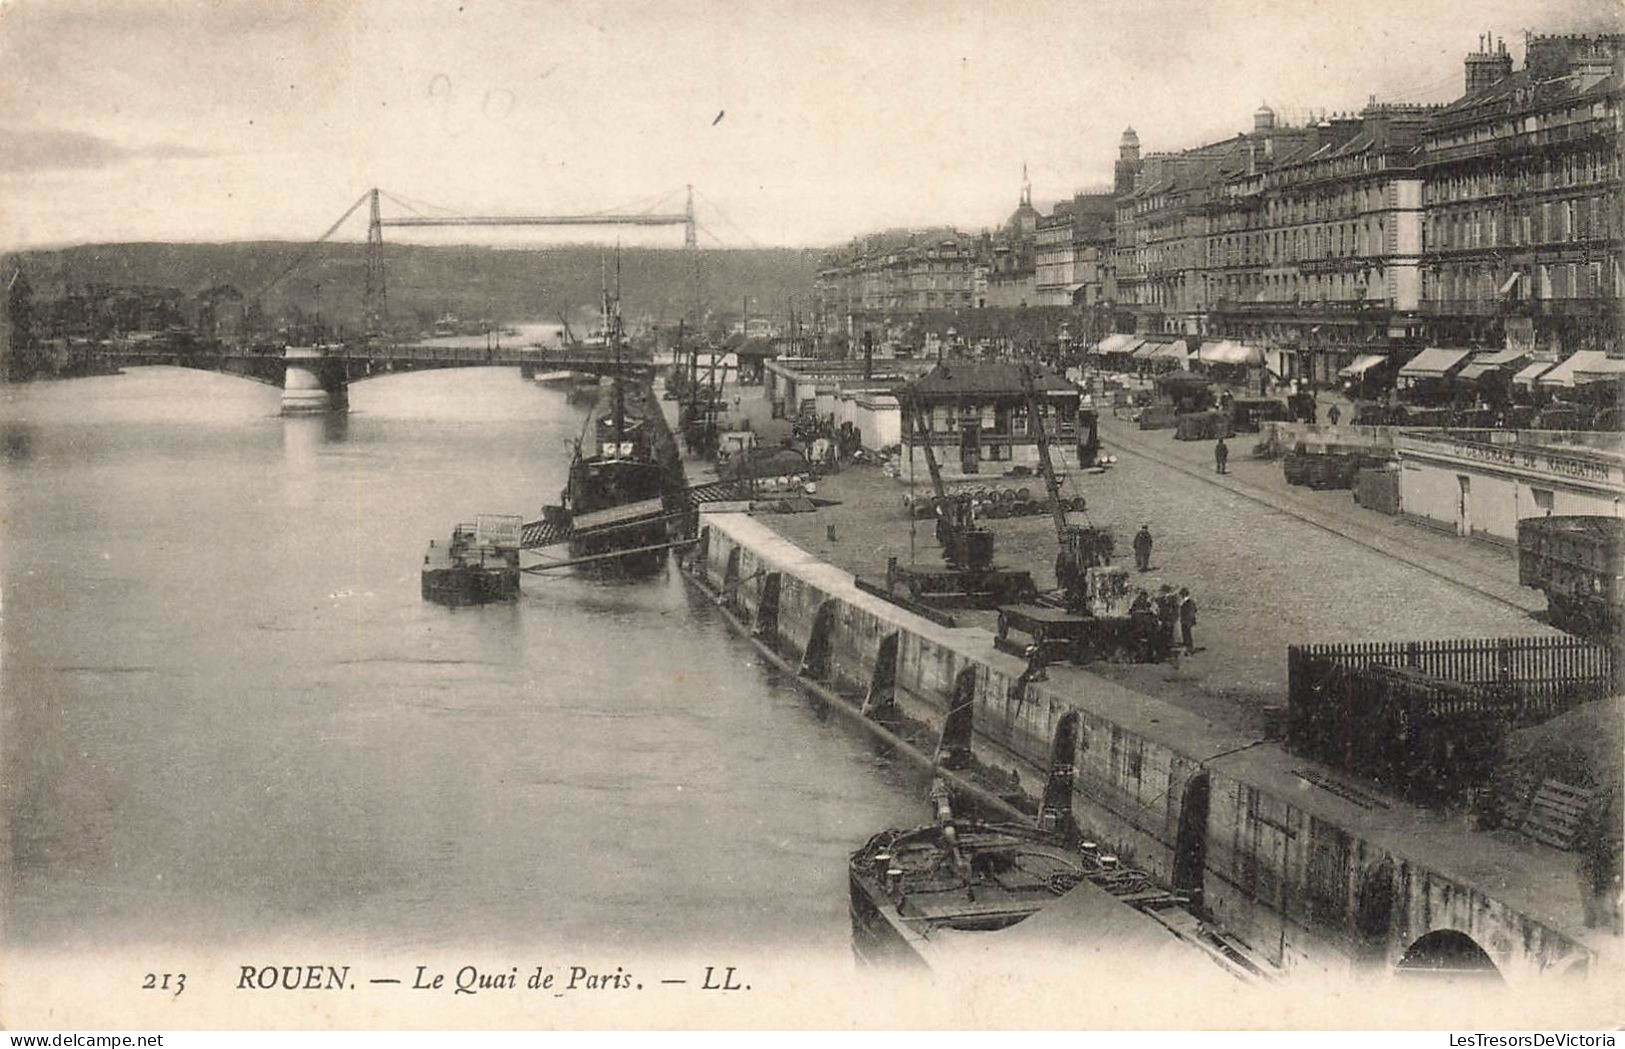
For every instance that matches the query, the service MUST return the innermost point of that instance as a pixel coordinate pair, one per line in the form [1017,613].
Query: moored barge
[964,894]
[479,564]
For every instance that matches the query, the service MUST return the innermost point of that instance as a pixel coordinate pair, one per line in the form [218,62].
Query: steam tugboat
[614,499]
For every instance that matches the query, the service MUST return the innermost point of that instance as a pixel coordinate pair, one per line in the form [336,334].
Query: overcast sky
[799,123]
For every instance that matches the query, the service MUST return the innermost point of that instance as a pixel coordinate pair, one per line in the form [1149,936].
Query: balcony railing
[1464,307]
[1543,138]
[1360,308]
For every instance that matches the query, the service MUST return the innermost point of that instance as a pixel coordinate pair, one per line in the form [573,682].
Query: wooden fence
[1536,666]
[1425,717]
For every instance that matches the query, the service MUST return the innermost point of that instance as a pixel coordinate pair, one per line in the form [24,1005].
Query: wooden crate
[1555,814]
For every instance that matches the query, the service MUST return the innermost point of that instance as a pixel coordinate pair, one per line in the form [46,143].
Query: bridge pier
[313,382]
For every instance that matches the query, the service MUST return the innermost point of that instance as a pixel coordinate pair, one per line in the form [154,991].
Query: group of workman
[1159,617]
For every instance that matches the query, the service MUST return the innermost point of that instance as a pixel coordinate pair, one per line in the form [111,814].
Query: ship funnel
[1055,811]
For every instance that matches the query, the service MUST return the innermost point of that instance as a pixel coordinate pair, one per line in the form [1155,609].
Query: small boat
[478,565]
[964,894]
[569,379]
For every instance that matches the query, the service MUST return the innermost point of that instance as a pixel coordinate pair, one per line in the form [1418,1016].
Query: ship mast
[618,394]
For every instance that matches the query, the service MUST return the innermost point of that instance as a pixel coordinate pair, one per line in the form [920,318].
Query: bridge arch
[317,378]
[1447,952]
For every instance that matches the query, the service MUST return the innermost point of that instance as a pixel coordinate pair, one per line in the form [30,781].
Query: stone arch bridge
[317,378]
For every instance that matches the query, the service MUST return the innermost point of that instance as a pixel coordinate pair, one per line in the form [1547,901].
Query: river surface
[228,716]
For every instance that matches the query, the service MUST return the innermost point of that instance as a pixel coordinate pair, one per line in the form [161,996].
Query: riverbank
[1264,574]
[1287,863]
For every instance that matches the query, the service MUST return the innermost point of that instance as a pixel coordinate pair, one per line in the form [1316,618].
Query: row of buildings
[38,335]
[1495,219]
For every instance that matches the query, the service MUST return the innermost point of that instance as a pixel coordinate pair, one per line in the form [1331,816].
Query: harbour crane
[1078,547]
[970,578]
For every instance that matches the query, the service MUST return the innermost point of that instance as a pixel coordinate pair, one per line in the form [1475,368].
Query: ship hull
[616,506]
[455,575]
[879,937]
[633,560]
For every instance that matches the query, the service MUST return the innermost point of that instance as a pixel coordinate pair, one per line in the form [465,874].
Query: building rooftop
[957,378]
[1523,91]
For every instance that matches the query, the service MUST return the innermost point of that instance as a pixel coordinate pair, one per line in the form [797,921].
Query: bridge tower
[691,243]
[374,304]
[689,239]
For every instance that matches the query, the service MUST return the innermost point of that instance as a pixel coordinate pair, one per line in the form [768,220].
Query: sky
[798,123]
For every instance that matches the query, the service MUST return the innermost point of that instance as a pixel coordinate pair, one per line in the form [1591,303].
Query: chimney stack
[1489,65]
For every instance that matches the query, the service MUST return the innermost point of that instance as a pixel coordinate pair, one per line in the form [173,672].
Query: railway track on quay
[1454,575]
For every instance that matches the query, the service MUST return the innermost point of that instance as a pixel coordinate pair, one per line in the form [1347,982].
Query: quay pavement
[1269,566]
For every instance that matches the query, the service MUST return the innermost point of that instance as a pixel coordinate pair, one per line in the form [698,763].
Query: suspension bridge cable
[1409,91]
[394,200]
[623,209]
[722,214]
[311,249]
[720,242]
[657,204]
[402,199]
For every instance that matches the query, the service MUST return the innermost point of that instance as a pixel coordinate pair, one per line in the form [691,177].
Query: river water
[229,717]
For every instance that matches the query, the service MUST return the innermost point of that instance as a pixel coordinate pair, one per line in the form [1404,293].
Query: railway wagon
[1577,561]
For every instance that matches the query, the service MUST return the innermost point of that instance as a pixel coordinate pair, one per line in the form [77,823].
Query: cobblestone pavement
[1262,579]
[1490,568]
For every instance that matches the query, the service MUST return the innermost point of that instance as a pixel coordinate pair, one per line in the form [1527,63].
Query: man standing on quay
[1221,455]
[1167,620]
[1142,548]
[1187,619]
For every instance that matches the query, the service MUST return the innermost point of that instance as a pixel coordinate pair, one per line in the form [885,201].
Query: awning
[1184,379]
[1362,364]
[1489,363]
[1531,372]
[1229,353]
[1173,350]
[1501,357]
[1607,368]
[1117,342]
[1512,282]
[1434,363]
[1147,348]
[1563,374]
